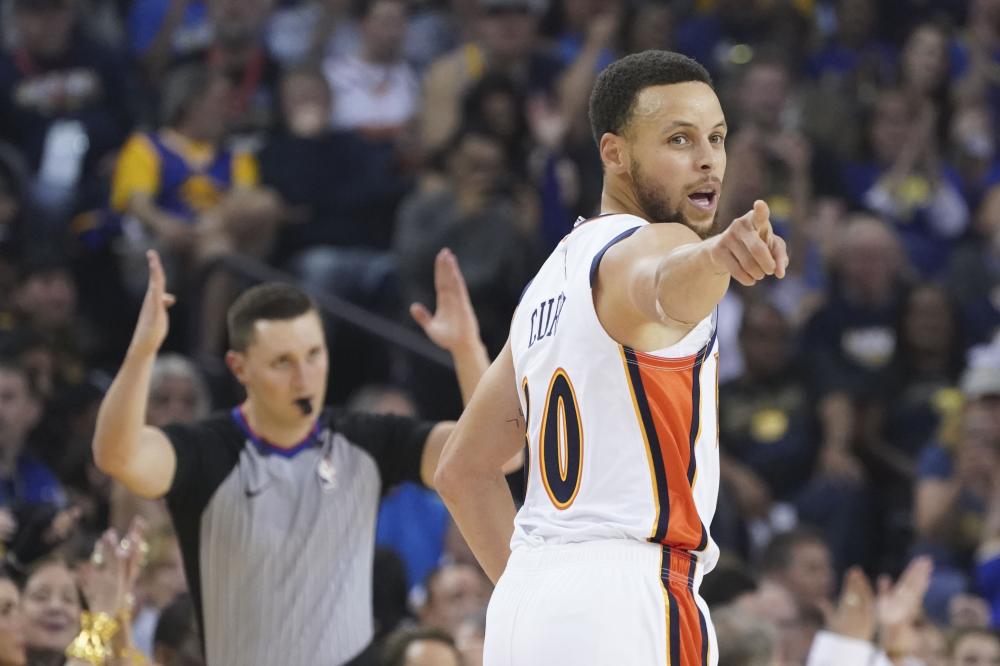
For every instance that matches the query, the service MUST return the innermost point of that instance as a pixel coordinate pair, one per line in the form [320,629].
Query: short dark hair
[777,554]
[396,644]
[618,86]
[271,300]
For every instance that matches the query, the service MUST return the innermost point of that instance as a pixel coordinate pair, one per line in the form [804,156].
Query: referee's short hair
[271,300]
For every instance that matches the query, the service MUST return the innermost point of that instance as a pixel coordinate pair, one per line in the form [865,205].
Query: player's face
[676,142]
[285,362]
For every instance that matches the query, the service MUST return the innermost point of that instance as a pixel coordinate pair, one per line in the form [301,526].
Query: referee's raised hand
[153,324]
[749,249]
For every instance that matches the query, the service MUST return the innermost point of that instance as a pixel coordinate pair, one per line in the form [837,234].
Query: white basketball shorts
[599,603]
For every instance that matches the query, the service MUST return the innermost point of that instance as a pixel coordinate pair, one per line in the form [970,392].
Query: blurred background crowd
[346,143]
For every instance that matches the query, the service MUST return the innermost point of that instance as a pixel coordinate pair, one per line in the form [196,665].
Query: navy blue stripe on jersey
[696,423]
[524,291]
[527,435]
[596,264]
[696,403]
[695,411]
[701,615]
[656,456]
[266,447]
[675,627]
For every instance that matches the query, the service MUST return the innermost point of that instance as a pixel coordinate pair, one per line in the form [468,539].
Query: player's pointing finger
[761,219]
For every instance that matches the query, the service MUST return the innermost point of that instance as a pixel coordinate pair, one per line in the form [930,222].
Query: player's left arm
[470,475]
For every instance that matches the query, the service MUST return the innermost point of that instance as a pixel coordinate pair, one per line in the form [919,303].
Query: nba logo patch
[327,474]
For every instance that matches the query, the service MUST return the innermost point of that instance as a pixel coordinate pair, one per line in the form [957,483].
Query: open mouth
[703,200]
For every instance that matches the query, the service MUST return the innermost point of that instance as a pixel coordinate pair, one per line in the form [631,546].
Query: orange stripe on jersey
[666,394]
[687,631]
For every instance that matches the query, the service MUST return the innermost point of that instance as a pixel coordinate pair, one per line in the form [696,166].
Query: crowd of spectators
[348,142]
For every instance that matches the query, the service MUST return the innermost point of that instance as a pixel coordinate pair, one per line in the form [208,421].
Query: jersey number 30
[560,442]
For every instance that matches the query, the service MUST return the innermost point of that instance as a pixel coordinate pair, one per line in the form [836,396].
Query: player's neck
[616,198]
[277,432]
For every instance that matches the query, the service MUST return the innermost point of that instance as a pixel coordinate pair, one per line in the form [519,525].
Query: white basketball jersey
[622,444]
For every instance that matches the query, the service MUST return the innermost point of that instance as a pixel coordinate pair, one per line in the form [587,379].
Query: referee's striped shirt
[278,543]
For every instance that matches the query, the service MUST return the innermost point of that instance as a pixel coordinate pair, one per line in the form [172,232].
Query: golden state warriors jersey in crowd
[622,444]
[184,177]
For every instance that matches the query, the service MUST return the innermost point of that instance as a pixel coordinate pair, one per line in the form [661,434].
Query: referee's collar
[266,447]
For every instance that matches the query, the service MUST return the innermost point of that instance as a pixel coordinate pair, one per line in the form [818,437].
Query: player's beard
[657,206]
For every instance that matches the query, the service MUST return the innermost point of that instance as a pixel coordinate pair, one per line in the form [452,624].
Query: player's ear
[237,363]
[614,153]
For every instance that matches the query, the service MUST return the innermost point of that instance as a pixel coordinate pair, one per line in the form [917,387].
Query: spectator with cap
[278,480]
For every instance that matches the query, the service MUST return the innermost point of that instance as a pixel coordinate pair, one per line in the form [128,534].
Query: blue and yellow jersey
[184,177]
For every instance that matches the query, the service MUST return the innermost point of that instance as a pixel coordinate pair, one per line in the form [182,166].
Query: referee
[275,502]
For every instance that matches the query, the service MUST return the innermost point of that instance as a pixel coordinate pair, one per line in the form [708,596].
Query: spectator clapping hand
[899,607]
[856,613]
[108,585]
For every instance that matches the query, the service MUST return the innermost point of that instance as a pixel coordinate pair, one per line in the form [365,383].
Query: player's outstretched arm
[470,475]
[665,273]
[126,448]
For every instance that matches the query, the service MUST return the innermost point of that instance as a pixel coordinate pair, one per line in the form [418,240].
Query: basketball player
[610,374]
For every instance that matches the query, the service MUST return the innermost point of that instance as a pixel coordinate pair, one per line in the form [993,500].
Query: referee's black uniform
[278,543]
